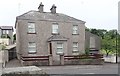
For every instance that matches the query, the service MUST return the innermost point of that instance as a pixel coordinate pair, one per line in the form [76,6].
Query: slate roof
[36,15]
[6,27]
[57,38]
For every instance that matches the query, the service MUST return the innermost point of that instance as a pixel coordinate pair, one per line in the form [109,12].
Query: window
[55,28]
[4,31]
[92,42]
[75,29]
[59,48]
[31,47]
[31,27]
[75,48]
[7,31]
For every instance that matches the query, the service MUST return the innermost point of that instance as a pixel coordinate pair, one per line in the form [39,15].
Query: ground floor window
[31,47]
[75,48]
[59,48]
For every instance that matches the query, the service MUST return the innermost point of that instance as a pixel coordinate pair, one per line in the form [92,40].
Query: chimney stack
[53,9]
[40,8]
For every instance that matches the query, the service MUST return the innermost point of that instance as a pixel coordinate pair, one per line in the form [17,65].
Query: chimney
[53,9]
[40,8]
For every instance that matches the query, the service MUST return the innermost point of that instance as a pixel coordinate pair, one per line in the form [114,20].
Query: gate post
[62,59]
[50,59]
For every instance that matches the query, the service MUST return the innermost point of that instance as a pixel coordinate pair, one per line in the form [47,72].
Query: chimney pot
[40,8]
[53,9]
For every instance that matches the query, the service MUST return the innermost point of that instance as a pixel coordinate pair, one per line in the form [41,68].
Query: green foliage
[5,36]
[118,48]
[14,37]
[87,51]
[109,40]
[2,47]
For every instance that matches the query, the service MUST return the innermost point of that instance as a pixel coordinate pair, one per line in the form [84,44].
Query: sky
[99,14]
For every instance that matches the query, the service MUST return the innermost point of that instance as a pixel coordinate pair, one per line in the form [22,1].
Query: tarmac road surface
[107,68]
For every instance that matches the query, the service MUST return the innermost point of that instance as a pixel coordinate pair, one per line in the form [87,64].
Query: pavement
[0,69]
[106,68]
[13,63]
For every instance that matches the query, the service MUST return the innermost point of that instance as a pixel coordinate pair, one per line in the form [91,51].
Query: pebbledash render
[40,33]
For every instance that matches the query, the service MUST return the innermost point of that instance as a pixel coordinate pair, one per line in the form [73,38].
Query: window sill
[59,53]
[55,33]
[75,51]
[32,52]
[31,33]
[75,34]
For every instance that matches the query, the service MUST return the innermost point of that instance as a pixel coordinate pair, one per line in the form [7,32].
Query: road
[82,69]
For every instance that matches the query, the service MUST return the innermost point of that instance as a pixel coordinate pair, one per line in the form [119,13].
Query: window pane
[7,32]
[75,29]
[4,31]
[59,45]
[92,42]
[55,28]
[75,44]
[31,47]
[59,48]
[31,27]
[75,47]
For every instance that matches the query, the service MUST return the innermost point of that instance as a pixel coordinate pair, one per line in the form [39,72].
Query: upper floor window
[31,27]
[55,28]
[31,47]
[75,29]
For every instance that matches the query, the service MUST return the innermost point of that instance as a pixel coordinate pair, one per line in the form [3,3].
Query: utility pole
[116,48]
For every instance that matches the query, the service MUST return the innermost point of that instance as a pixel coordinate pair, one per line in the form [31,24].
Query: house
[92,42]
[40,33]
[6,32]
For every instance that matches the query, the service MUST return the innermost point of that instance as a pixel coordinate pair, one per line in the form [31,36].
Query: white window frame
[60,48]
[3,31]
[55,28]
[75,48]
[32,47]
[31,27]
[75,29]
[7,31]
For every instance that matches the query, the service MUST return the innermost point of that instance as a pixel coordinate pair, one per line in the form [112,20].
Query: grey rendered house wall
[43,32]
[97,40]
[0,33]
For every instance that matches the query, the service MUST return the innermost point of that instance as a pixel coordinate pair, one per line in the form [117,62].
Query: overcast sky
[100,14]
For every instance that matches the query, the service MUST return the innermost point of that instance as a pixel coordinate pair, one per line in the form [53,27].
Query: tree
[5,36]
[14,37]
[109,45]
[109,42]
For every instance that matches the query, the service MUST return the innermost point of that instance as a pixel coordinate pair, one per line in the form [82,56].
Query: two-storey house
[7,32]
[40,33]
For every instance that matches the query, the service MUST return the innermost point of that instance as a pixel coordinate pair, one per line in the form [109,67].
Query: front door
[50,45]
